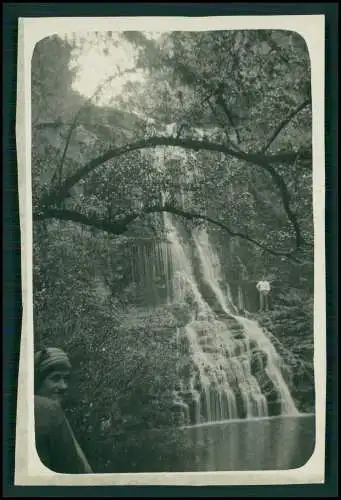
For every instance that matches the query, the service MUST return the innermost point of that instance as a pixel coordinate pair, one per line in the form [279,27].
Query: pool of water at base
[274,443]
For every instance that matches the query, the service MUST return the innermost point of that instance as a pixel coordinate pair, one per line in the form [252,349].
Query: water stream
[228,368]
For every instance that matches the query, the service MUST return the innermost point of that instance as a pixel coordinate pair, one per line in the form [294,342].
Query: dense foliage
[223,117]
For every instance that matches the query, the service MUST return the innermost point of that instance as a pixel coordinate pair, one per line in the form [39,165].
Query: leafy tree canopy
[224,116]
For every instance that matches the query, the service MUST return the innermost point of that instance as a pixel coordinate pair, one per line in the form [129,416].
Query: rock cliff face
[292,329]
[224,374]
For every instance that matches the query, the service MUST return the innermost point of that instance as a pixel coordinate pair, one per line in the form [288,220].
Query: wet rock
[184,345]
[238,350]
[259,361]
[274,408]
[253,345]
[210,349]
[241,410]
[239,335]
[186,396]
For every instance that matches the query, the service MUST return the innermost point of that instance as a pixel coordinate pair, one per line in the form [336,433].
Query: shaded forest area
[229,113]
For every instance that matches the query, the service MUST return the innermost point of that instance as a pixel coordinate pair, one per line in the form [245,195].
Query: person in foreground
[56,444]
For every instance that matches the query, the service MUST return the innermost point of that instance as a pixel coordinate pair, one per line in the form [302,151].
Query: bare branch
[112,227]
[222,103]
[93,127]
[274,46]
[121,226]
[191,78]
[236,146]
[283,124]
[193,215]
[59,169]
[56,124]
[286,202]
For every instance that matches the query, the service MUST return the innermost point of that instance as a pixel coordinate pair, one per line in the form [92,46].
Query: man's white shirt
[263,286]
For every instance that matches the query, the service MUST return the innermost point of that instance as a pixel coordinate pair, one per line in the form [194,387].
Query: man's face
[55,385]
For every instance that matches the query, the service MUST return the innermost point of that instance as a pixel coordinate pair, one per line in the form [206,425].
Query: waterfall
[228,367]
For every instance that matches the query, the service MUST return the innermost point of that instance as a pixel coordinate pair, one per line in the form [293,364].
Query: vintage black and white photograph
[173,251]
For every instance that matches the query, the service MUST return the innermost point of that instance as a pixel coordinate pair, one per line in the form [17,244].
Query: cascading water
[228,367]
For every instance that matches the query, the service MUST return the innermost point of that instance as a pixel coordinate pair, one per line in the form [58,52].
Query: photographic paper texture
[171,182]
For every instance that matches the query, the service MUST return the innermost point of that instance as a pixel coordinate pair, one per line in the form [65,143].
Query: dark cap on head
[48,360]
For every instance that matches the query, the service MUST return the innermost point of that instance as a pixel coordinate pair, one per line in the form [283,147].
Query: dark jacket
[55,443]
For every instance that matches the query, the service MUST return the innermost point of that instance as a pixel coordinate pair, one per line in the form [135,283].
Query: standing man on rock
[264,288]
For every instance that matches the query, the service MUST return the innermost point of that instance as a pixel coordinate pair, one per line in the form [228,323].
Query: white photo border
[29,470]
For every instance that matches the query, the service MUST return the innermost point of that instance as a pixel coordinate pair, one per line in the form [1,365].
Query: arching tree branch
[237,234]
[112,227]
[119,227]
[152,142]
[264,161]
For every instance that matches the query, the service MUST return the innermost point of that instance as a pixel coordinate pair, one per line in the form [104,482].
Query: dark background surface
[12,306]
